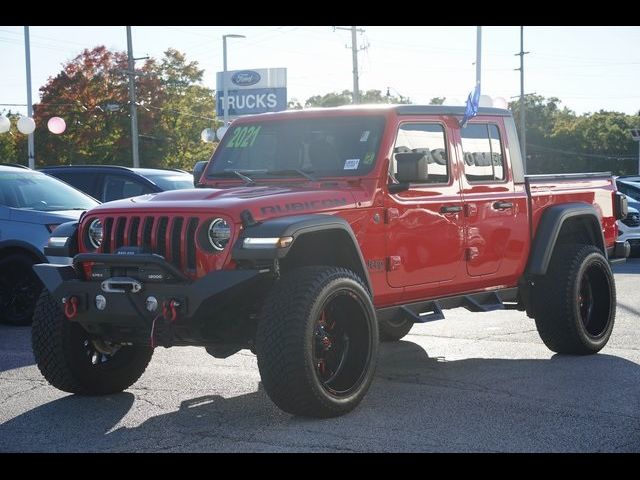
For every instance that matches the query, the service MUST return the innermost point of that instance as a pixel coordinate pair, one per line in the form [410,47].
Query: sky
[587,68]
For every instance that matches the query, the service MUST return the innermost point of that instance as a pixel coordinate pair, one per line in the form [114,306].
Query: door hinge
[394,262]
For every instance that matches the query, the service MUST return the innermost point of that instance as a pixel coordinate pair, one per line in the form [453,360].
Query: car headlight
[95,233]
[219,233]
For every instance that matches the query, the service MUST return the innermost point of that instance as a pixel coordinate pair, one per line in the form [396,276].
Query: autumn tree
[91,94]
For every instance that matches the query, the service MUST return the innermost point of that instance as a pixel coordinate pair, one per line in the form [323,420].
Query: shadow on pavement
[632,265]
[416,403]
[15,347]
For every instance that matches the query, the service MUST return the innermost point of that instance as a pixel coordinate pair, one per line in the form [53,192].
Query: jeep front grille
[174,238]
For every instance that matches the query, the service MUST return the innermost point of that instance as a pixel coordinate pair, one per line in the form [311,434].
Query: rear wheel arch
[566,224]
[21,248]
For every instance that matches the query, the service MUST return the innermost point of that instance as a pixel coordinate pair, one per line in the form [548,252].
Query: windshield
[37,191]
[172,181]
[631,189]
[325,147]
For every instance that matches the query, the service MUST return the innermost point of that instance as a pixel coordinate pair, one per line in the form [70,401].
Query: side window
[117,187]
[428,139]
[81,181]
[483,156]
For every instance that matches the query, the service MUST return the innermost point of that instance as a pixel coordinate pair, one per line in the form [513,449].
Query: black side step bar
[430,310]
[424,316]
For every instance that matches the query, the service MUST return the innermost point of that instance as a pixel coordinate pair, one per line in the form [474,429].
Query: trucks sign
[252,91]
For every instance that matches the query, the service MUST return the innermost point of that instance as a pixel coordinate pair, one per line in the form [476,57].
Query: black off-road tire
[19,289]
[317,341]
[393,331]
[635,251]
[64,352]
[575,303]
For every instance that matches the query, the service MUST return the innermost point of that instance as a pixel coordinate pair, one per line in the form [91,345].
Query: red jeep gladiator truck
[316,233]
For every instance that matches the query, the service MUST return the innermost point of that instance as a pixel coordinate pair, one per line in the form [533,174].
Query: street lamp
[225,100]
[635,134]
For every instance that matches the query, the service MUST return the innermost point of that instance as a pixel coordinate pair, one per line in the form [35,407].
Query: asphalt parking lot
[470,383]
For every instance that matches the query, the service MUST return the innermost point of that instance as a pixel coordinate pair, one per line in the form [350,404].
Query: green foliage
[559,141]
[13,145]
[91,94]
[335,99]
[437,101]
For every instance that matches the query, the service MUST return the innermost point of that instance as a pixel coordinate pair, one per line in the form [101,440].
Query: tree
[294,104]
[335,99]
[13,145]
[187,108]
[560,141]
[437,101]
[91,94]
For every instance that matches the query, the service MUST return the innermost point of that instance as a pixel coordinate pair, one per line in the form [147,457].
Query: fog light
[151,304]
[101,302]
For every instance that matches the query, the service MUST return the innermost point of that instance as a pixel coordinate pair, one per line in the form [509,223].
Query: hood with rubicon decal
[262,201]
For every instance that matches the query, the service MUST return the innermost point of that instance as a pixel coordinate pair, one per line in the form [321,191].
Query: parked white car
[629,229]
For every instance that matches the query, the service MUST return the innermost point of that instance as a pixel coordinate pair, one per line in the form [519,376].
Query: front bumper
[619,252]
[209,310]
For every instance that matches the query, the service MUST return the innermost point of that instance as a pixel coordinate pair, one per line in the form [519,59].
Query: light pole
[225,103]
[27,53]
[635,134]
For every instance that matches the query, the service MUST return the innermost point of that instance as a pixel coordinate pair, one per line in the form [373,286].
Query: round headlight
[219,233]
[95,233]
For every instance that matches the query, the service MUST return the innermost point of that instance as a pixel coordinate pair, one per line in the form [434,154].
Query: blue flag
[471,109]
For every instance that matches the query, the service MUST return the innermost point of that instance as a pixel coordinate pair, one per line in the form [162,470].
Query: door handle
[502,205]
[451,209]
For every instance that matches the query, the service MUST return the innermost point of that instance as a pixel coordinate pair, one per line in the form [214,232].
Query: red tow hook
[169,311]
[70,307]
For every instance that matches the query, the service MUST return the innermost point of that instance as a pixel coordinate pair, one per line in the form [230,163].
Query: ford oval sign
[245,78]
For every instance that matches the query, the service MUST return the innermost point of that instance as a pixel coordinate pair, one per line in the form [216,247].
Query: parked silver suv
[32,204]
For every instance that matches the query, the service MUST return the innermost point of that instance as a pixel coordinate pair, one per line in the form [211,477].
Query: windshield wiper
[302,173]
[238,173]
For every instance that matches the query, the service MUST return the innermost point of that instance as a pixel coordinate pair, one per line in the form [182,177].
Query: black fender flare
[70,248]
[553,218]
[294,226]
[23,246]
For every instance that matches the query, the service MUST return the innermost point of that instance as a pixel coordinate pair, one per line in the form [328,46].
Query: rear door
[496,224]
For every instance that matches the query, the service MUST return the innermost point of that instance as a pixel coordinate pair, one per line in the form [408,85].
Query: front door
[425,241]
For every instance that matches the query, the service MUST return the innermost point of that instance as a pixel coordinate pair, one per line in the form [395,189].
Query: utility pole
[523,134]
[132,99]
[354,53]
[27,52]
[478,56]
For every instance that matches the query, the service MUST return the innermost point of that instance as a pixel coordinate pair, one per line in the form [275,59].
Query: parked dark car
[32,204]
[111,182]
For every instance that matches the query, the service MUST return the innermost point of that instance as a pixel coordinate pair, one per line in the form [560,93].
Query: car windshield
[37,191]
[631,189]
[172,181]
[325,147]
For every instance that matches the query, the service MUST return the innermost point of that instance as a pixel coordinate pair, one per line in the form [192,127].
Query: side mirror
[412,167]
[198,170]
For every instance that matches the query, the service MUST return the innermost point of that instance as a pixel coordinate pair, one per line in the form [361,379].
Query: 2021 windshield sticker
[244,136]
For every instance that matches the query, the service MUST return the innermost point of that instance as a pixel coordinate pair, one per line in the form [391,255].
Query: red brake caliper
[321,332]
